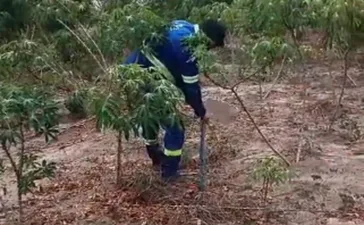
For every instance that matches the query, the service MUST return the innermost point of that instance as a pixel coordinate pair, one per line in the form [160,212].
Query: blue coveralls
[178,60]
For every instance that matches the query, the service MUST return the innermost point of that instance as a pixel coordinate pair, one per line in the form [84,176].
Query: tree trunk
[20,175]
[338,104]
[20,203]
[118,159]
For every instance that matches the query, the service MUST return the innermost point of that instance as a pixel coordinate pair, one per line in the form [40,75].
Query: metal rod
[203,157]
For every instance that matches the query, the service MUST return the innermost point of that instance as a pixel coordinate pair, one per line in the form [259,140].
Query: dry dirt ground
[328,189]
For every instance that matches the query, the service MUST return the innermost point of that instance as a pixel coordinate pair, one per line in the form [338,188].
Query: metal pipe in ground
[203,157]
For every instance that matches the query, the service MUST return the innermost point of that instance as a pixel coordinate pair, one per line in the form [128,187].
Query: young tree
[138,97]
[271,171]
[23,110]
[127,27]
[343,22]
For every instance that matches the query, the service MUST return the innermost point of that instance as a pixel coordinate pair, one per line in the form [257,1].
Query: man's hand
[205,119]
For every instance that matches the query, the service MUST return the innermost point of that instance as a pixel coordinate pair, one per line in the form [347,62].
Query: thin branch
[88,35]
[299,150]
[257,128]
[22,151]
[94,43]
[302,130]
[236,84]
[276,79]
[12,162]
[295,42]
[250,116]
[342,90]
[243,80]
[84,44]
[352,80]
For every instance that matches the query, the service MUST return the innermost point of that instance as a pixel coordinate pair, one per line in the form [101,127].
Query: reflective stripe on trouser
[174,153]
[190,79]
[150,137]
[173,143]
[150,141]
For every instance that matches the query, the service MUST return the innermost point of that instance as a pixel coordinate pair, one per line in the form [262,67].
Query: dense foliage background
[58,41]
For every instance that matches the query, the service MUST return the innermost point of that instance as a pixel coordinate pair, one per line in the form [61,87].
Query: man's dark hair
[215,31]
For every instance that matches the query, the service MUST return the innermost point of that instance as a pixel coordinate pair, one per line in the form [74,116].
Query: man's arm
[191,86]
[138,58]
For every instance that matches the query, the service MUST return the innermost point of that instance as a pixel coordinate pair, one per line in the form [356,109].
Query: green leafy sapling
[109,115]
[138,97]
[128,27]
[28,61]
[198,45]
[76,103]
[155,98]
[23,110]
[208,11]
[271,171]
[343,21]
[265,52]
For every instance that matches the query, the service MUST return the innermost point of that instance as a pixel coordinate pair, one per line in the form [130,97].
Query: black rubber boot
[155,154]
[170,167]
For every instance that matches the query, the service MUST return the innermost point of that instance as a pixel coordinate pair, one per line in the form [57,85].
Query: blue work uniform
[174,54]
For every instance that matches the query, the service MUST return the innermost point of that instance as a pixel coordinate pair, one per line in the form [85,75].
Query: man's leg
[173,143]
[150,137]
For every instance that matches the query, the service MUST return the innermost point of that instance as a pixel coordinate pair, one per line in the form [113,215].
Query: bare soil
[328,188]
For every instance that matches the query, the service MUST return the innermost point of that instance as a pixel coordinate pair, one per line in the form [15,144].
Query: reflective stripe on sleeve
[174,153]
[140,130]
[189,79]
[196,28]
